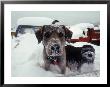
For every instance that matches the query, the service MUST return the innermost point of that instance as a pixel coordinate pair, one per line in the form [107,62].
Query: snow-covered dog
[76,56]
[53,38]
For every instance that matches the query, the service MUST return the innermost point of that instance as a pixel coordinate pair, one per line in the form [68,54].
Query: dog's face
[88,53]
[53,38]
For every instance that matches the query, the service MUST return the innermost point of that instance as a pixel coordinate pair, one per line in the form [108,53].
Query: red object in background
[93,36]
[81,39]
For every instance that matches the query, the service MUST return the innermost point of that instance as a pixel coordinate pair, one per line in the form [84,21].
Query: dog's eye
[61,34]
[47,34]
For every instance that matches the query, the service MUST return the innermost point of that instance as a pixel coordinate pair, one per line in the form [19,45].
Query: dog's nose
[55,47]
[90,55]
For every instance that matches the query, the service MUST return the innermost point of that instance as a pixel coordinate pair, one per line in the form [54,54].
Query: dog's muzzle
[89,56]
[55,50]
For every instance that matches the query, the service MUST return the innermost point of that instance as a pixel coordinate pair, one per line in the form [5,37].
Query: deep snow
[79,28]
[39,21]
[27,59]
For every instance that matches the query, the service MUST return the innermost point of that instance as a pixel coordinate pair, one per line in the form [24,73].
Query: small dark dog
[77,56]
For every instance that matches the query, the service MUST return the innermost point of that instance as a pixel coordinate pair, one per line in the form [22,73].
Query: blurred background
[67,17]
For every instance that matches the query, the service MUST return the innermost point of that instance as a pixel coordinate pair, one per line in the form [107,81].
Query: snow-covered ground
[81,28]
[27,59]
[39,21]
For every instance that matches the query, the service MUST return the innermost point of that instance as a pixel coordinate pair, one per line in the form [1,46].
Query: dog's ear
[39,34]
[68,33]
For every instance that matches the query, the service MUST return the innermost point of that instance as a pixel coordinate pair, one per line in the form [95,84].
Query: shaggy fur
[76,56]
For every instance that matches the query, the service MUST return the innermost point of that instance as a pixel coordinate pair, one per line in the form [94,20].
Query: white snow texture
[27,58]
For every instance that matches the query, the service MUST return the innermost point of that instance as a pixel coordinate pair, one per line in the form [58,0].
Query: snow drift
[27,54]
[36,21]
[27,59]
[78,29]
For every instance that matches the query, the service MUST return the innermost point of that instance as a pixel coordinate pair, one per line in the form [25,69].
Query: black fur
[75,55]
[55,21]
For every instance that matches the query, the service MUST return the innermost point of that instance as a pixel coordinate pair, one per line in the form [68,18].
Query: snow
[13,29]
[79,28]
[77,32]
[27,59]
[37,21]
[96,28]
[85,25]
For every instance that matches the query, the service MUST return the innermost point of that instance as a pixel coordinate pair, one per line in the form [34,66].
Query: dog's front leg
[47,65]
[46,61]
[79,67]
[62,65]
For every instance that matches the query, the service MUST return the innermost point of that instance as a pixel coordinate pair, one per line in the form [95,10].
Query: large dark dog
[53,38]
[76,56]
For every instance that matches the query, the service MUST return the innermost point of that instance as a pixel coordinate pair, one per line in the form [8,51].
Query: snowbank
[96,28]
[85,25]
[77,32]
[78,29]
[37,21]
[27,59]
[27,56]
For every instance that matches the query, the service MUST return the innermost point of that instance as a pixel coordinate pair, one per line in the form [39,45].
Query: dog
[77,56]
[53,38]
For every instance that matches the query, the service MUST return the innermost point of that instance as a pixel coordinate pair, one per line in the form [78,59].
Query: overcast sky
[68,17]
